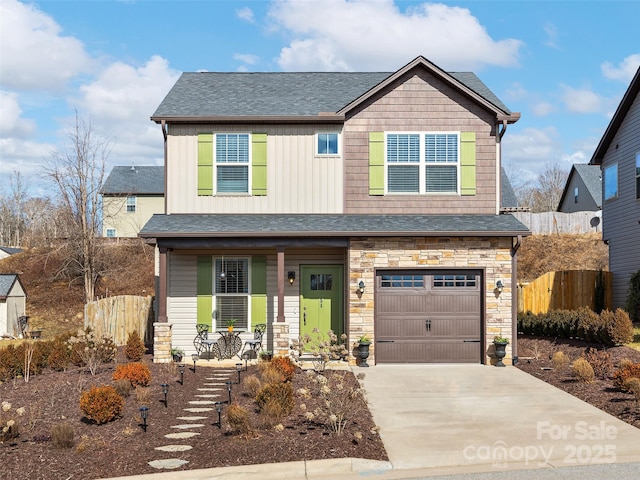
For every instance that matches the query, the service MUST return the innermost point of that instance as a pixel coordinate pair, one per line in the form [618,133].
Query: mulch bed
[122,447]
[535,354]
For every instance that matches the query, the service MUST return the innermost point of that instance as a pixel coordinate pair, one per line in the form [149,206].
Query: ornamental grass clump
[275,400]
[601,362]
[101,404]
[239,419]
[583,370]
[62,435]
[137,373]
[559,360]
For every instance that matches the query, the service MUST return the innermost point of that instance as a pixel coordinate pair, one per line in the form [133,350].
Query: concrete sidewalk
[459,419]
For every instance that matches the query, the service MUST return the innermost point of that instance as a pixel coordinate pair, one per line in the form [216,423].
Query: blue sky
[563,65]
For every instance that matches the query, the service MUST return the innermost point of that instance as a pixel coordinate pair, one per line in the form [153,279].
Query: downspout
[163,124]
[514,300]
[501,133]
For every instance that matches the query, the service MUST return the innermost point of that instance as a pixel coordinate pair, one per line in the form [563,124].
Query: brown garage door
[428,316]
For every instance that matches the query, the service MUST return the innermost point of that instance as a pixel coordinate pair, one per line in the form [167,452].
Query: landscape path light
[229,384]
[194,357]
[238,369]
[181,367]
[165,390]
[144,413]
[219,410]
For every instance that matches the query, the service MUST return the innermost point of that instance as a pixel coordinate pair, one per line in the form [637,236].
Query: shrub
[269,375]
[624,362]
[137,373]
[583,370]
[239,419]
[622,374]
[143,396]
[10,363]
[123,386]
[559,360]
[101,404]
[285,366]
[252,385]
[619,328]
[276,399]
[86,349]
[632,385]
[633,297]
[62,435]
[600,361]
[323,350]
[590,326]
[59,357]
[135,348]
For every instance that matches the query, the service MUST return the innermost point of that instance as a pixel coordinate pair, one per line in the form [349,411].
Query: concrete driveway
[439,419]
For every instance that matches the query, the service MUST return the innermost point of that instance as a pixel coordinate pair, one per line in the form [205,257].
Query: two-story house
[618,155]
[583,190]
[130,196]
[356,202]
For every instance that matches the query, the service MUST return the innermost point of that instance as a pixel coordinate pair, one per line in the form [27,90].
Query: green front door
[321,299]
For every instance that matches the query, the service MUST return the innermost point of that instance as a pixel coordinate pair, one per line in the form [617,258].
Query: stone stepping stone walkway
[198,410]
[168,463]
[192,418]
[201,402]
[181,435]
[174,448]
[186,426]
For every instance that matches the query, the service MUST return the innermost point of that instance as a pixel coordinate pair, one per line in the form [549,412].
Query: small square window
[327,144]
[111,232]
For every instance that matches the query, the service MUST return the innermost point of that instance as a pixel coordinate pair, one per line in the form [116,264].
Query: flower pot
[230,328]
[500,352]
[363,353]
[177,357]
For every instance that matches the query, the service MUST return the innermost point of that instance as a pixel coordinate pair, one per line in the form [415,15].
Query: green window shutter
[205,164]
[258,290]
[204,290]
[468,163]
[259,164]
[376,163]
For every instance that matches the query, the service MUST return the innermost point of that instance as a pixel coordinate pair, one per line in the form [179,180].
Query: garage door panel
[435,319]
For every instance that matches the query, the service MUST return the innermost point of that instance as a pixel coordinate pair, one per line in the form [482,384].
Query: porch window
[231,292]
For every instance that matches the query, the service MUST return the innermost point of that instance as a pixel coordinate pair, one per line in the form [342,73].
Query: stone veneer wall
[280,338]
[492,255]
[162,342]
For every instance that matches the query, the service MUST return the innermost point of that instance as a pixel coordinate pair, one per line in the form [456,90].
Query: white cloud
[246,14]
[542,109]
[246,58]
[375,35]
[35,55]
[552,35]
[11,123]
[581,100]
[530,149]
[625,70]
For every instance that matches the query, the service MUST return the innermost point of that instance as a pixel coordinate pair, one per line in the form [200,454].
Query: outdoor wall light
[144,413]
[165,390]
[181,367]
[238,369]
[361,286]
[291,275]
[194,357]
[499,286]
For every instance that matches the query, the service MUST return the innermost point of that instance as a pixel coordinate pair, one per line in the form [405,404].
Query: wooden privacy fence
[568,290]
[119,316]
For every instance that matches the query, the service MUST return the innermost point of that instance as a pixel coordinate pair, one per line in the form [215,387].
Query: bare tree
[78,173]
[12,219]
[544,195]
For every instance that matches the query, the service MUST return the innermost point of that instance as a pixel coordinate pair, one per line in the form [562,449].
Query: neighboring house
[583,190]
[8,251]
[357,202]
[130,195]
[508,198]
[618,155]
[13,304]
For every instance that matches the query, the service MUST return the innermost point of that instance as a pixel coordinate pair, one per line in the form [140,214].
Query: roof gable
[298,96]
[591,177]
[7,282]
[144,180]
[618,117]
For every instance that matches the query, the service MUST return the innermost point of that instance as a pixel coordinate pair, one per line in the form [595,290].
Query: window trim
[423,163]
[338,145]
[248,164]
[604,183]
[131,207]
[215,295]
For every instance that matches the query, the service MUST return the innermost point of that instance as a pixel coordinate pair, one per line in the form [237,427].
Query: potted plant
[230,323]
[500,344]
[363,349]
[177,354]
[266,355]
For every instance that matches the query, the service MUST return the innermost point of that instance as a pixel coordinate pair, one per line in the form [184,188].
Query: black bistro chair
[202,330]
[253,346]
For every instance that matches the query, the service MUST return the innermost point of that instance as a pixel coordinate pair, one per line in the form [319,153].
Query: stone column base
[162,342]
[280,338]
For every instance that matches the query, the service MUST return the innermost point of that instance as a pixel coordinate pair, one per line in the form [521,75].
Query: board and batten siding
[298,181]
[420,103]
[182,290]
[620,216]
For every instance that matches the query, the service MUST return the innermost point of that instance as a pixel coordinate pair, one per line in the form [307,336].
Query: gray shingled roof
[329,225]
[591,176]
[6,282]
[207,94]
[508,198]
[144,180]
[11,250]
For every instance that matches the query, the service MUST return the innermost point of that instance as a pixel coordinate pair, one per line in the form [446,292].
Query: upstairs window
[575,195]
[327,143]
[131,204]
[232,162]
[611,182]
[422,162]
